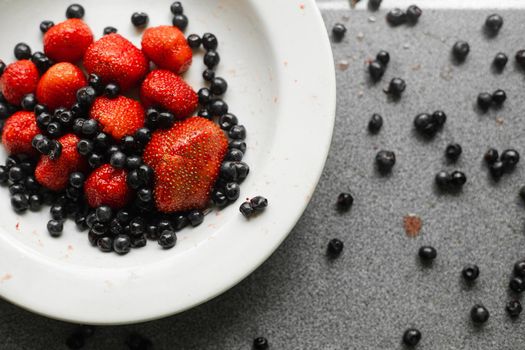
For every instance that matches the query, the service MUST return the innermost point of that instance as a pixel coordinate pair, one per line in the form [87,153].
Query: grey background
[365,299]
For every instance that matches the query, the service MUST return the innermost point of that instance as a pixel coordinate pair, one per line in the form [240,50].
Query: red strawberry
[116,60]
[54,174]
[67,41]
[19,78]
[165,89]
[19,130]
[119,116]
[186,160]
[58,86]
[167,47]
[107,186]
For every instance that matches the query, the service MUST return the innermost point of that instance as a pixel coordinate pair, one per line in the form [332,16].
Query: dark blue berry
[209,41]
[194,41]
[75,11]
[55,227]
[121,244]
[112,90]
[195,217]
[167,239]
[22,51]
[211,59]
[338,31]
[335,247]
[109,30]
[46,25]
[176,8]
[180,21]
[139,19]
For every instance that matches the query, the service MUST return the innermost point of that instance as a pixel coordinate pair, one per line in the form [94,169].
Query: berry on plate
[119,116]
[167,90]
[168,48]
[116,60]
[186,160]
[67,41]
[54,173]
[58,86]
[19,79]
[19,131]
[107,185]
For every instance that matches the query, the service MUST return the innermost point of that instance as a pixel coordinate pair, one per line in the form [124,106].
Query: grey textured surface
[377,288]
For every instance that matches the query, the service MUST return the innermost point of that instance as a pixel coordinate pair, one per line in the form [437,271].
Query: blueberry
[4,111]
[36,139]
[204,113]
[195,217]
[11,161]
[2,69]
[232,191]
[491,156]
[35,202]
[497,169]
[112,90]
[484,101]
[194,41]
[218,86]
[75,11]
[55,149]
[166,120]
[145,174]
[95,82]
[344,201]
[219,198]
[133,180]
[227,121]
[517,285]
[413,13]
[204,95]
[209,41]
[498,97]
[39,109]
[260,343]
[385,161]
[55,227]
[102,141]
[133,162]
[180,221]
[211,59]
[457,179]
[338,31]
[335,247]
[105,244]
[90,127]
[85,147]
[500,61]
[238,144]
[470,272]
[99,228]
[121,244]
[510,159]
[246,209]
[58,212]
[520,58]
[17,188]
[3,174]
[208,74]
[139,19]
[109,30]
[128,144]
[383,57]
[234,155]
[176,8]
[86,96]
[396,87]
[28,102]
[228,171]
[514,308]
[443,180]
[43,120]
[20,202]
[167,239]
[142,136]
[237,132]
[375,123]
[103,213]
[218,107]
[479,314]
[22,51]
[180,21]
[137,226]
[242,169]
[258,203]
[41,61]
[396,17]
[92,238]
[138,242]
[493,23]
[16,174]
[374,4]
[145,195]
[31,184]
[54,129]
[460,50]
[427,253]
[46,25]
[376,70]
[152,118]
[118,160]
[453,151]
[95,160]
[519,268]
[66,119]
[411,337]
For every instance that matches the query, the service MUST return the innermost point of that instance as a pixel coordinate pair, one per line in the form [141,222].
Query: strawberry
[19,130]
[167,90]
[19,78]
[116,60]
[58,86]
[167,47]
[67,41]
[54,174]
[107,186]
[186,160]
[119,116]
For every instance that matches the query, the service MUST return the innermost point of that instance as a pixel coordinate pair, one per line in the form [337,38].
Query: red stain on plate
[412,224]
[6,277]
[17,226]
[301,6]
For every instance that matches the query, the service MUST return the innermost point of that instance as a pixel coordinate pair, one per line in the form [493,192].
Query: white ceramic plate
[277,60]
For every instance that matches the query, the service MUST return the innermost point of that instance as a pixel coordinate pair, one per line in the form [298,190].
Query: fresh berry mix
[125,170]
